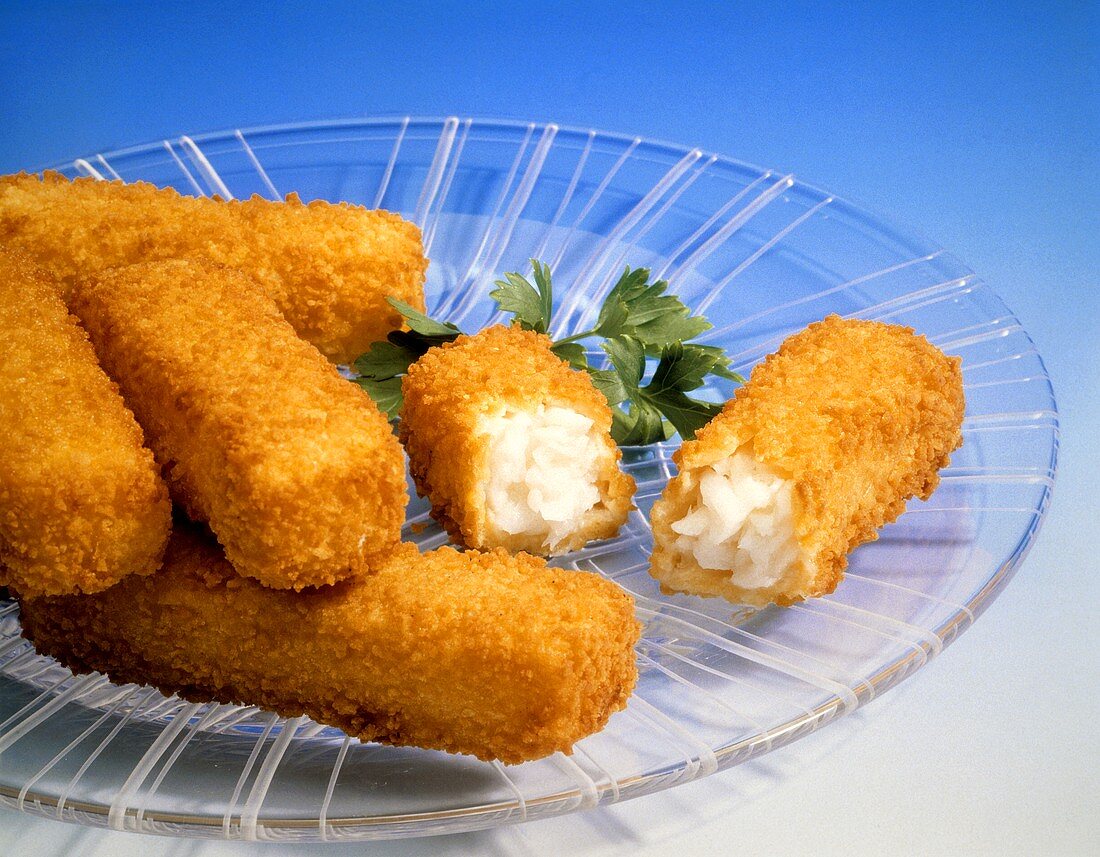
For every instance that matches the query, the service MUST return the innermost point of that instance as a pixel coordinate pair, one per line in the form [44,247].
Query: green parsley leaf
[530,305]
[721,366]
[686,414]
[628,357]
[386,394]
[386,360]
[610,383]
[641,426]
[635,307]
[381,367]
[663,403]
[614,318]
[572,353]
[422,324]
[680,369]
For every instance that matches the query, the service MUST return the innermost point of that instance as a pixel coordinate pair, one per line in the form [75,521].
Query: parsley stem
[575,337]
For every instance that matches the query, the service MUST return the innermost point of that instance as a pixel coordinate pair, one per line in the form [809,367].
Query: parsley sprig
[637,322]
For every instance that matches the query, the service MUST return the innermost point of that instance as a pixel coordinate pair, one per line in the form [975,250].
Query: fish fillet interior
[545,465]
[740,519]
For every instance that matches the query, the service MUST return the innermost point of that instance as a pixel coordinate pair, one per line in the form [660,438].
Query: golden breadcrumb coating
[447,394]
[295,469]
[859,415]
[329,267]
[482,653]
[81,503]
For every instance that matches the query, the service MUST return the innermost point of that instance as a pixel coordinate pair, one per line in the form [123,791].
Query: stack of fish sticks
[220,324]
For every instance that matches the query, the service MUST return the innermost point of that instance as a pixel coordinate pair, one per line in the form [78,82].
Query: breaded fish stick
[823,446]
[329,268]
[512,447]
[81,502]
[482,653]
[295,469]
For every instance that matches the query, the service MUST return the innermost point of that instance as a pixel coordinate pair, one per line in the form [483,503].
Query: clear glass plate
[763,255]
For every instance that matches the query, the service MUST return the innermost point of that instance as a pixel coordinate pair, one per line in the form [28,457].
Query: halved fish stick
[822,447]
[512,447]
[482,653]
[295,469]
[328,267]
[81,502]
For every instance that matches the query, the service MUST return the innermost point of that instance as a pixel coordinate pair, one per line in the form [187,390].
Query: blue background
[974,124]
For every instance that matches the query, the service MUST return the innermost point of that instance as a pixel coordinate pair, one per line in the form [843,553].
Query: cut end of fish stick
[542,483]
[825,444]
[729,530]
[512,446]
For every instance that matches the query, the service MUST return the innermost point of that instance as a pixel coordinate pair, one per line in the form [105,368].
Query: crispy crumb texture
[456,393]
[329,267]
[493,655]
[295,469]
[81,503]
[857,416]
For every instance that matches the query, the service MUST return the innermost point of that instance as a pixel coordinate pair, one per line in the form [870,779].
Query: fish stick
[488,654]
[512,447]
[328,267]
[822,447]
[81,502]
[297,472]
